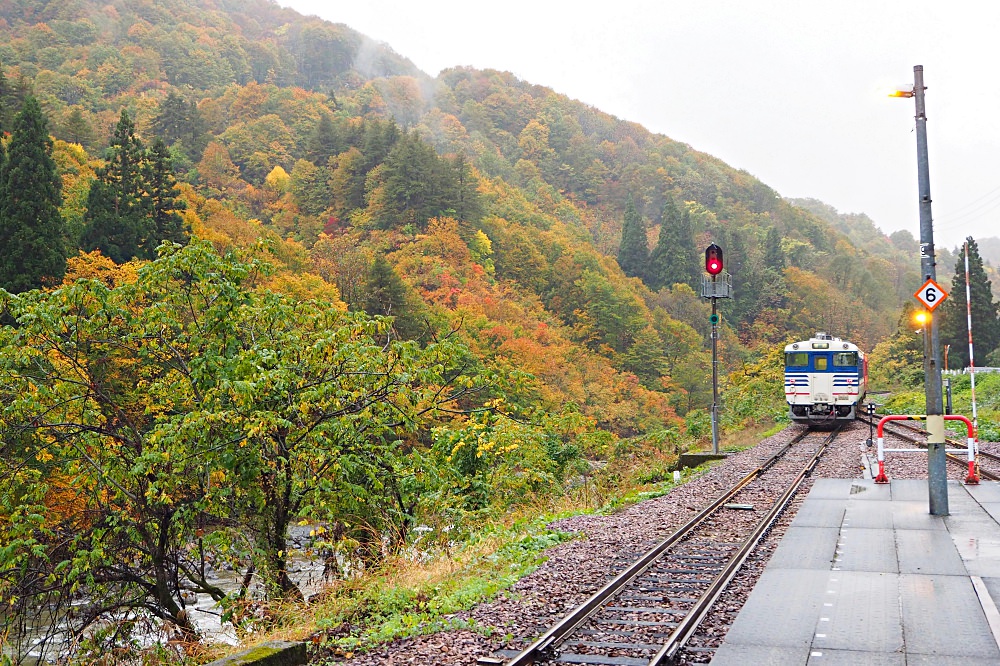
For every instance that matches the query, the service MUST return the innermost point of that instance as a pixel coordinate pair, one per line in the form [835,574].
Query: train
[826,380]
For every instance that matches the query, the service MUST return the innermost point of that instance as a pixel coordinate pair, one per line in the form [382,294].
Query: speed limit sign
[931,294]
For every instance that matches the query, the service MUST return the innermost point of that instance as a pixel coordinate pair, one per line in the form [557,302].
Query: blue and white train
[826,379]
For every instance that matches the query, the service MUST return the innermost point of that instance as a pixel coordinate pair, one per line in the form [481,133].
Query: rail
[695,615]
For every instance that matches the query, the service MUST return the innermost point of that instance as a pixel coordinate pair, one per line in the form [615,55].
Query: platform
[865,575]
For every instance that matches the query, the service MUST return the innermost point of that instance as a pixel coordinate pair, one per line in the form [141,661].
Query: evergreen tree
[418,185]
[633,253]
[161,188]
[463,194]
[118,220]
[953,316]
[324,142]
[774,258]
[9,102]
[171,122]
[32,231]
[674,260]
[387,295]
[180,122]
[77,129]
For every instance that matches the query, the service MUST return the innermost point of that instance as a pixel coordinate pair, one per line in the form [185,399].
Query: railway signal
[715,285]
[713,259]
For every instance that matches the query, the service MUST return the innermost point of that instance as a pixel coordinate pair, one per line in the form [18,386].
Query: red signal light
[713,259]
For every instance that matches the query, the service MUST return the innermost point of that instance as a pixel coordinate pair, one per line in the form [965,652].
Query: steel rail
[686,627]
[584,611]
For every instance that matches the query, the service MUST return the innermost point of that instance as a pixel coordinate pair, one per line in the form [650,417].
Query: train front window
[820,362]
[845,360]
[796,359]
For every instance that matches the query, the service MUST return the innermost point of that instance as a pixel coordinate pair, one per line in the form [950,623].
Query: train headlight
[795,346]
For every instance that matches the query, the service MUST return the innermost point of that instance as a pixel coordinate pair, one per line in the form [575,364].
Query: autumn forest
[259,272]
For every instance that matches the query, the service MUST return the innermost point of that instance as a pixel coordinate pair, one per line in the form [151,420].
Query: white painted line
[824,619]
[989,607]
[820,635]
[815,654]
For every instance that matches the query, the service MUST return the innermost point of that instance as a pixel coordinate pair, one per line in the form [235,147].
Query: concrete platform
[865,575]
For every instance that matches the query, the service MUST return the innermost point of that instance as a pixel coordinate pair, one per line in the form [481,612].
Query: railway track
[915,434]
[656,601]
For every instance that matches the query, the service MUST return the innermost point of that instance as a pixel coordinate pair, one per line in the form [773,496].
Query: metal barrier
[971,449]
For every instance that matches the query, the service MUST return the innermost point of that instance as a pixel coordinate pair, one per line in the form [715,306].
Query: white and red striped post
[972,364]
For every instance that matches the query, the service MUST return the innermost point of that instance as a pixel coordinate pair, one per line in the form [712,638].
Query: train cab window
[798,359]
[821,362]
[845,360]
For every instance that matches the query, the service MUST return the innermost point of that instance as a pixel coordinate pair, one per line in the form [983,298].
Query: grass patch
[408,602]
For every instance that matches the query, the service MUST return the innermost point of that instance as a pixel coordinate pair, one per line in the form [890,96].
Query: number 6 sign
[931,295]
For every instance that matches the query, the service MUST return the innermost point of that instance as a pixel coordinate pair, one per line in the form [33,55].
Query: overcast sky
[793,91]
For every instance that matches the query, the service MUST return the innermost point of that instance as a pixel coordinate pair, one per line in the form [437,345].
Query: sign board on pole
[931,295]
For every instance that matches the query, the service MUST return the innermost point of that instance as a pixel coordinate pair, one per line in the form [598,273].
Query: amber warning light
[713,259]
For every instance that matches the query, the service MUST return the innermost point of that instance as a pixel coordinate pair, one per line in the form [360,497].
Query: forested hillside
[294,278]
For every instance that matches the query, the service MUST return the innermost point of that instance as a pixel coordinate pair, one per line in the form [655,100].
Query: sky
[795,92]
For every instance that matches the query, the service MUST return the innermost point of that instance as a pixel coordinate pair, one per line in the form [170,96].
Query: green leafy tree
[186,419]
[952,315]
[674,260]
[32,231]
[633,253]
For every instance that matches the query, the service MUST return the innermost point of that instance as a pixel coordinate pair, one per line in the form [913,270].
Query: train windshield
[845,360]
[797,359]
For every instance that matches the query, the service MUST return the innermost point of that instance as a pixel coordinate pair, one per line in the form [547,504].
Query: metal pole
[972,356]
[937,477]
[715,373]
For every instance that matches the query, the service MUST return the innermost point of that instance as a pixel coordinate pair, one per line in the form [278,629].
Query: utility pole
[937,477]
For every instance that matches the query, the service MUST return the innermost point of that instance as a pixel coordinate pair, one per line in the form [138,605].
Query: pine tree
[7,109]
[774,258]
[633,253]
[160,186]
[953,316]
[674,260]
[180,122]
[387,295]
[324,143]
[32,231]
[77,129]
[171,122]
[118,220]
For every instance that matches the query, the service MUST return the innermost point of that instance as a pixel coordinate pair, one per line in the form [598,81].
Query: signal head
[713,259]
